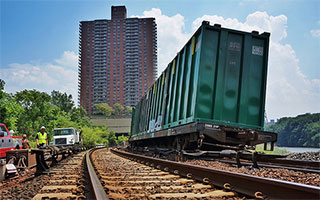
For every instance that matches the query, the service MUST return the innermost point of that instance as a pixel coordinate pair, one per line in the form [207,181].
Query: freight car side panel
[218,77]
[224,67]
[196,43]
[231,90]
[251,110]
[207,72]
[231,76]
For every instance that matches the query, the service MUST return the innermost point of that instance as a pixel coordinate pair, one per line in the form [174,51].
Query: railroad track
[266,161]
[122,175]
[70,178]
[297,165]
[66,180]
[122,184]
[126,179]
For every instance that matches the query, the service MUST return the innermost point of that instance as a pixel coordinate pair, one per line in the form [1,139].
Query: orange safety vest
[25,143]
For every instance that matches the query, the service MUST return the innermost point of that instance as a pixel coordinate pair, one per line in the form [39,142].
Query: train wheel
[55,159]
[12,160]
[22,162]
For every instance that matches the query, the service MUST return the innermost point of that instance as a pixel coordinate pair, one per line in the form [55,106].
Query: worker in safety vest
[41,138]
[25,142]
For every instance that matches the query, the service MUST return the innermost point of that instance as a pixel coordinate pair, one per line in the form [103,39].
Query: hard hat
[42,127]
[11,132]
[24,136]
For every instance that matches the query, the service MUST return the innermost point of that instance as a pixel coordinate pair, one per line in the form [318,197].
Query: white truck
[66,136]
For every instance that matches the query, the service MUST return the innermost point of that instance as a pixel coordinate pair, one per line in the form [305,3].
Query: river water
[300,149]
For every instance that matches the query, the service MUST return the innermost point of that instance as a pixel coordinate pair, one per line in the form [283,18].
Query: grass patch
[276,150]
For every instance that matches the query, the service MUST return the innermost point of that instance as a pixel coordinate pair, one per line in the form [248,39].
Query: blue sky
[39,38]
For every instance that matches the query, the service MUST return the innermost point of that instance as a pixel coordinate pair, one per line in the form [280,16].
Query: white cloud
[315,33]
[171,35]
[61,75]
[68,59]
[289,91]
[258,21]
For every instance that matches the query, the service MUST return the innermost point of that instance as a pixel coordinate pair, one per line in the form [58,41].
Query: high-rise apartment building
[117,59]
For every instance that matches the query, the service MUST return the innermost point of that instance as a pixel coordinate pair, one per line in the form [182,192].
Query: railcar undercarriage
[200,139]
[206,137]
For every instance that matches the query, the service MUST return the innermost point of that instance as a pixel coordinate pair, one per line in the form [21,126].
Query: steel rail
[306,164]
[245,184]
[265,159]
[271,165]
[98,189]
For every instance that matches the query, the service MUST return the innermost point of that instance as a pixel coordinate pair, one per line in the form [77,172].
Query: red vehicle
[8,142]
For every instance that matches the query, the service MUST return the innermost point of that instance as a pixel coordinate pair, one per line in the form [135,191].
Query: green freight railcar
[211,94]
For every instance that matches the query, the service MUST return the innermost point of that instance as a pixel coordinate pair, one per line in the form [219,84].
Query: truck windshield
[3,129]
[63,132]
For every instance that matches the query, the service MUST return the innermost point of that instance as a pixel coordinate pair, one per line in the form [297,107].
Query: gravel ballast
[280,174]
[314,156]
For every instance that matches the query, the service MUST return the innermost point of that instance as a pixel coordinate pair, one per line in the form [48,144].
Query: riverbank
[276,150]
[299,149]
[287,150]
[296,153]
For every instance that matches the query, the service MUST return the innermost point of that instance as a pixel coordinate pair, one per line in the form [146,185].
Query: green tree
[10,111]
[128,110]
[300,131]
[118,108]
[79,115]
[97,135]
[2,83]
[2,95]
[104,109]
[63,121]
[38,110]
[62,100]
[28,110]
[102,135]
[112,139]
[121,139]
[88,136]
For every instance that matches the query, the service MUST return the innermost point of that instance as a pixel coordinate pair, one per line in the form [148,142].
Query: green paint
[219,77]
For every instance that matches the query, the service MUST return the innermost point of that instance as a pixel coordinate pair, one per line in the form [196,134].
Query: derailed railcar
[211,95]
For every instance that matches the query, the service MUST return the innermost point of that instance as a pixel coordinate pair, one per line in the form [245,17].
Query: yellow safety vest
[42,138]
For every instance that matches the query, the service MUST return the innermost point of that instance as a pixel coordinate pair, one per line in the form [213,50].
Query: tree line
[26,111]
[117,110]
[300,131]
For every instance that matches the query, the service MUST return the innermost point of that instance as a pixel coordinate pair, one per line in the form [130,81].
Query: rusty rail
[302,168]
[242,183]
[260,160]
[98,189]
[305,164]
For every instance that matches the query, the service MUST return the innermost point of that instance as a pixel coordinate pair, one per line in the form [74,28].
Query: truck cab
[66,136]
[7,141]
